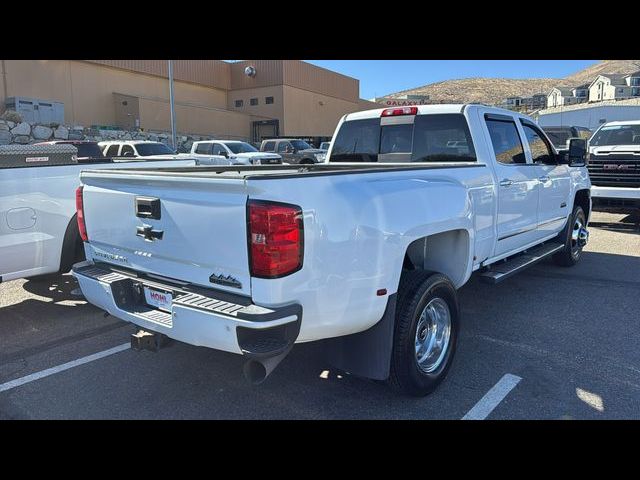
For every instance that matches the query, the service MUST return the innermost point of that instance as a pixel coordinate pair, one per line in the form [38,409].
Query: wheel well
[446,253]
[582,199]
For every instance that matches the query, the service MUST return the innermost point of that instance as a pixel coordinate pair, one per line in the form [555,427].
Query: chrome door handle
[543,179]
[506,182]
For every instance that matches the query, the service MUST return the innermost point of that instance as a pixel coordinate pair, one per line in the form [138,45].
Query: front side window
[240,147]
[300,144]
[218,149]
[506,142]
[282,146]
[149,149]
[540,150]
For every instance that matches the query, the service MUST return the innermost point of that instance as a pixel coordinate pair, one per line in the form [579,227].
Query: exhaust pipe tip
[255,372]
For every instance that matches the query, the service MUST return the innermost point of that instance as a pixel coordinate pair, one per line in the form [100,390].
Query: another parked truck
[614,166]
[38,227]
[365,253]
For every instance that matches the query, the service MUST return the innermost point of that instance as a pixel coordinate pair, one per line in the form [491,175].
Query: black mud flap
[365,354]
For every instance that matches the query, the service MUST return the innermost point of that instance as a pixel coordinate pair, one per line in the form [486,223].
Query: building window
[268,100]
[239,103]
[635,91]
[253,102]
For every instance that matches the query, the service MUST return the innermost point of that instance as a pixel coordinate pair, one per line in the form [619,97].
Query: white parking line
[492,398]
[61,368]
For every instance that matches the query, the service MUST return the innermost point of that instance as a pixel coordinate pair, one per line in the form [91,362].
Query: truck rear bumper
[201,317]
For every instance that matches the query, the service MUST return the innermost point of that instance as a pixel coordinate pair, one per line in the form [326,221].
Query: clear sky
[381,77]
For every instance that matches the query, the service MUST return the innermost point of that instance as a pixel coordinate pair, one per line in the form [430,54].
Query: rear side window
[269,147]
[127,150]
[430,138]
[282,146]
[204,148]
[506,141]
[112,151]
[442,138]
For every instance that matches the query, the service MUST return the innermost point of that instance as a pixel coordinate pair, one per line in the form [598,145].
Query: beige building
[615,87]
[246,100]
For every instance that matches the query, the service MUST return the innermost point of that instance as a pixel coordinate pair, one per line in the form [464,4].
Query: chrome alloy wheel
[432,335]
[579,236]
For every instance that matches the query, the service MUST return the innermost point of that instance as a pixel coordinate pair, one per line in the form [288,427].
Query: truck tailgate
[189,229]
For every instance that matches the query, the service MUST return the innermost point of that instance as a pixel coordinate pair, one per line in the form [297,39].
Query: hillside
[494,90]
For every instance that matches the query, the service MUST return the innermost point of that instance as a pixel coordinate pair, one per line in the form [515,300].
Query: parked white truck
[231,152]
[614,166]
[38,227]
[365,253]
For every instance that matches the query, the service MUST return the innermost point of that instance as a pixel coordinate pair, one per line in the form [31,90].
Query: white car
[364,253]
[614,166]
[231,152]
[138,149]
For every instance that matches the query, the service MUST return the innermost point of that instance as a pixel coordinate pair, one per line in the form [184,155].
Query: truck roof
[429,109]
[623,122]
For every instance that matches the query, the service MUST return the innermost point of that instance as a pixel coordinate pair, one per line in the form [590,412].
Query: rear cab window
[423,138]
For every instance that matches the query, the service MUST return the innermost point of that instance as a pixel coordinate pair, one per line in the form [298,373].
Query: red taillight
[275,239]
[82,228]
[391,112]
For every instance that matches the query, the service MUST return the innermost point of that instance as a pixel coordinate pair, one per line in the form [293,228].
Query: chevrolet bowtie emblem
[148,233]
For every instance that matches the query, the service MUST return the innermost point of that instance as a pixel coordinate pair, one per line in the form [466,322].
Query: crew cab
[294,151]
[38,227]
[614,166]
[364,253]
[231,152]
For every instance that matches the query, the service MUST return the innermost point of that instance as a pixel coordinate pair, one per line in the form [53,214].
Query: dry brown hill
[494,90]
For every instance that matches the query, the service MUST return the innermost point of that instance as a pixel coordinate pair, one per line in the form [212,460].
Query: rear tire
[426,332]
[572,251]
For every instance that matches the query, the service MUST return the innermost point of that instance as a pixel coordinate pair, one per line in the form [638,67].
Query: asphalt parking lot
[549,343]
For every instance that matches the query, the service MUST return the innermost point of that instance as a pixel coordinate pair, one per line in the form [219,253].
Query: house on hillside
[615,87]
[533,102]
[560,96]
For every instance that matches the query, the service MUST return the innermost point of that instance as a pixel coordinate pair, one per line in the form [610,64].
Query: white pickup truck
[231,152]
[614,166]
[38,228]
[365,253]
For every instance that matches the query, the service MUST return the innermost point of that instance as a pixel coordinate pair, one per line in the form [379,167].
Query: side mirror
[224,153]
[577,154]
[127,154]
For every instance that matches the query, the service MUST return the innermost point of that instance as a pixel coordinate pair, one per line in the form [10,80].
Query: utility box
[20,156]
[37,110]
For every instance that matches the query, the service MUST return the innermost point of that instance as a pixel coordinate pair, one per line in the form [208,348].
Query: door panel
[554,180]
[517,216]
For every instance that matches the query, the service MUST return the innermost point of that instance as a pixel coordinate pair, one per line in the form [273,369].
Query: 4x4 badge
[226,280]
